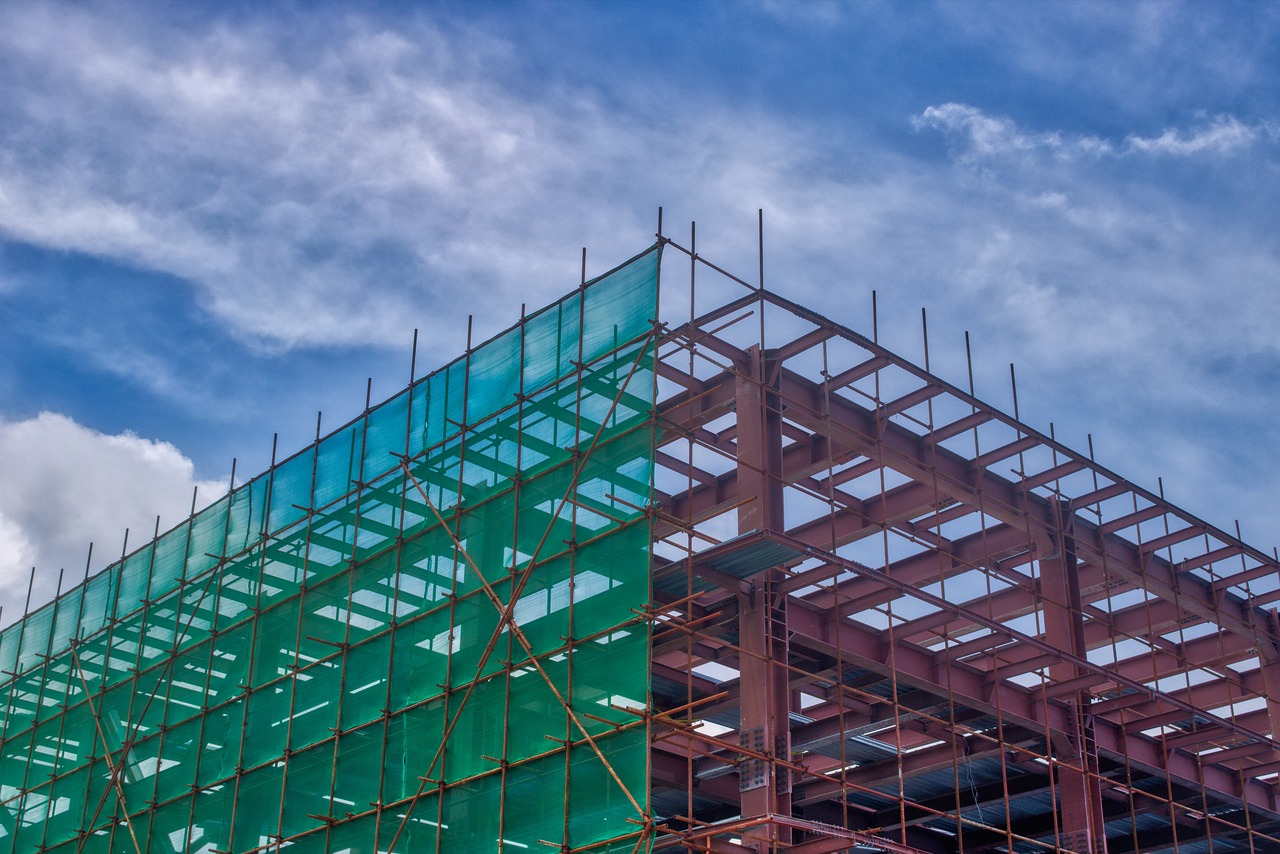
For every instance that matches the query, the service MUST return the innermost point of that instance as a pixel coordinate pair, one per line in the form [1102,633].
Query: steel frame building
[896,618]
[724,576]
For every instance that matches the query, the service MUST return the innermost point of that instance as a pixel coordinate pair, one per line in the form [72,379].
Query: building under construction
[722,575]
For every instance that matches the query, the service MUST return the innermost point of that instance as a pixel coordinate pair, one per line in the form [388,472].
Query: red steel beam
[861,429]
[870,649]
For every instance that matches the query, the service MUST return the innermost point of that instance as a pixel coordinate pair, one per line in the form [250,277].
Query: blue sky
[216,220]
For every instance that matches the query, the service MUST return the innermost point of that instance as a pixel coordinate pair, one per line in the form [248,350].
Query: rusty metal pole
[765,787]
[1081,820]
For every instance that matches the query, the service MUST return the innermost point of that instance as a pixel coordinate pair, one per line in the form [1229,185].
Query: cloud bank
[323,197]
[66,486]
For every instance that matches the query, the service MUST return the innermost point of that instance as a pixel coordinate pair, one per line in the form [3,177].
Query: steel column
[765,700]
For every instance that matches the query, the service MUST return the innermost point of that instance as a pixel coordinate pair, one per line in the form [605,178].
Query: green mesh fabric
[321,657]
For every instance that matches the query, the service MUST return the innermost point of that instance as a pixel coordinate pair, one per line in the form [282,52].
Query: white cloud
[978,135]
[336,195]
[17,556]
[975,136]
[1222,135]
[65,486]
[310,201]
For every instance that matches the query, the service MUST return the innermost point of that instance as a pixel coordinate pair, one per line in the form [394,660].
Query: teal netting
[321,656]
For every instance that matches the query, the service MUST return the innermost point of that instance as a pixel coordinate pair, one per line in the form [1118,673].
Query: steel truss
[889,616]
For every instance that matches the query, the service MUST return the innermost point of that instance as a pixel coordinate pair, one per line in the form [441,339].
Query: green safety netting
[317,660]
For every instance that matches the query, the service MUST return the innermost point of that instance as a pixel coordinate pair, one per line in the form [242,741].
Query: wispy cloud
[316,198]
[978,135]
[329,196]
[1221,135]
[974,135]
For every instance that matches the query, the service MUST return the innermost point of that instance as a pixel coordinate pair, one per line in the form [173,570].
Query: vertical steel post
[762,621]
[1081,821]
